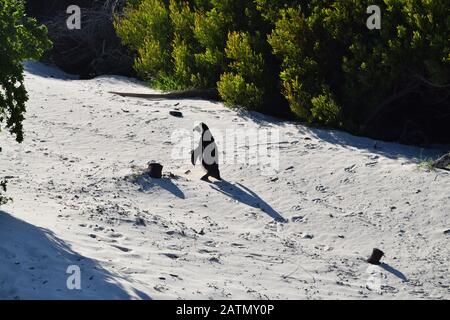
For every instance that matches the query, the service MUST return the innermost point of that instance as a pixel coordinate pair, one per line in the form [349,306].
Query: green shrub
[317,57]
[308,59]
[326,44]
[21,38]
[201,44]
[325,109]
[235,91]
[243,85]
[148,30]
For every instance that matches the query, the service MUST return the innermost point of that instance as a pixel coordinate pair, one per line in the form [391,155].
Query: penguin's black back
[211,168]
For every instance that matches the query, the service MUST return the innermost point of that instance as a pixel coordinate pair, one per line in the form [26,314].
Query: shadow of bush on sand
[390,150]
[347,140]
[34,262]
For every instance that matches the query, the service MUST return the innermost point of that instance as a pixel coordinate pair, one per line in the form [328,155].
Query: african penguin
[207,152]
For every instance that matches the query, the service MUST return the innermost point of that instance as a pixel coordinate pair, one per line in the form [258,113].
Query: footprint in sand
[210,243]
[115,235]
[321,189]
[371,164]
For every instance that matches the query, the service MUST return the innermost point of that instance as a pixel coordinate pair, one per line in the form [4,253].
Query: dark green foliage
[21,38]
[328,51]
[317,56]
[243,84]
[203,44]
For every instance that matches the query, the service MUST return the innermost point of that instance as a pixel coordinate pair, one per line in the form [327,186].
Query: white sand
[76,204]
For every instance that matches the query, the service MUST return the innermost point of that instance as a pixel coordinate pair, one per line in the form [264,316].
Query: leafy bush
[148,31]
[21,38]
[202,44]
[318,57]
[235,91]
[325,44]
[243,85]
[325,109]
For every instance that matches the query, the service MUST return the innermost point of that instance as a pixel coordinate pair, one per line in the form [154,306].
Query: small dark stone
[376,256]
[171,255]
[177,114]
[140,222]
[155,170]
[214,260]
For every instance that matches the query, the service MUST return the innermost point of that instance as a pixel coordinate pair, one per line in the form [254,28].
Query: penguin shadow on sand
[246,196]
[37,263]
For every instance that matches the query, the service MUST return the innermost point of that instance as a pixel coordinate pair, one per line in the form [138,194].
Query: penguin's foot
[205,178]
[215,175]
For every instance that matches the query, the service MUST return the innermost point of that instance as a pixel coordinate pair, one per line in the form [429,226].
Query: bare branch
[431,84]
